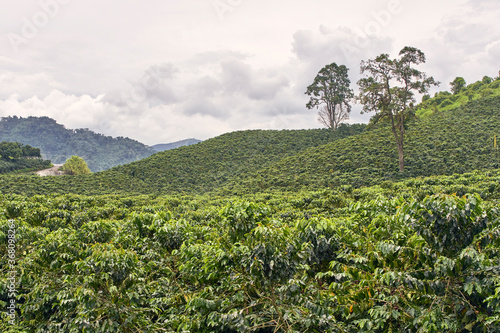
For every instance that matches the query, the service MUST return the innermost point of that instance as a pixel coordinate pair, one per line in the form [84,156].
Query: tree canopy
[389,90]
[75,165]
[331,94]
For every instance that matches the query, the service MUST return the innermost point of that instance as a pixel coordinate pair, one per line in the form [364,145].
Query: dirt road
[54,171]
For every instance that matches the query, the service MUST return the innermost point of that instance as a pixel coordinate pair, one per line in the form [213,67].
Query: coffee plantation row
[420,255]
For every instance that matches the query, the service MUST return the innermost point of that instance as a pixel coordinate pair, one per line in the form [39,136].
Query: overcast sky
[161,70]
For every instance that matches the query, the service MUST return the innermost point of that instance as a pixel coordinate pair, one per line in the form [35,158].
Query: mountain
[174,145]
[58,143]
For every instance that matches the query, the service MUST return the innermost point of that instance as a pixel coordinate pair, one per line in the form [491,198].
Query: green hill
[445,100]
[448,142]
[199,168]
[58,143]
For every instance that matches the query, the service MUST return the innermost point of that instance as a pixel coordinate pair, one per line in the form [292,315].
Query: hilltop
[454,141]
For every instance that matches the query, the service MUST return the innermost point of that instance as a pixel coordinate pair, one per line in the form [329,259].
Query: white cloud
[165,71]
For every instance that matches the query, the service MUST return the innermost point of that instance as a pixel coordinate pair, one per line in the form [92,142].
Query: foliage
[17,157]
[300,262]
[58,143]
[331,90]
[389,90]
[446,101]
[457,85]
[75,165]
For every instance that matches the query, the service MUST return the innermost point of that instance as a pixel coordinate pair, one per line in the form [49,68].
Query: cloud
[166,72]
[465,44]
[342,45]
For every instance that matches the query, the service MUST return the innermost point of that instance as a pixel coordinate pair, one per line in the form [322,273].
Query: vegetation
[458,141]
[343,260]
[389,90]
[447,101]
[331,93]
[269,231]
[457,85]
[75,165]
[200,168]
[18,157]
[446,143]
[58,143]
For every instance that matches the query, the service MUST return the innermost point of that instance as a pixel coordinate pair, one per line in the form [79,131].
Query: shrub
[75,165]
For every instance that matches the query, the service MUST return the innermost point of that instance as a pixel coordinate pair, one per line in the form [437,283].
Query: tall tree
[389,90]
[331,94]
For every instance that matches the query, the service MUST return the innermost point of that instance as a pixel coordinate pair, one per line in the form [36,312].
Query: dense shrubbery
[349,260]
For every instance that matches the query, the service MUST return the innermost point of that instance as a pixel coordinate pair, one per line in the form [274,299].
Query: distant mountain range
[57,143]
[173,145]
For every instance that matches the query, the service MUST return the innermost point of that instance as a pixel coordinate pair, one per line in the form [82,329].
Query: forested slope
[16,157]
[58,143]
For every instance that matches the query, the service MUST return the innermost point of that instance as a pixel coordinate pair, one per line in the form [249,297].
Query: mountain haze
[174,145]
[57,143]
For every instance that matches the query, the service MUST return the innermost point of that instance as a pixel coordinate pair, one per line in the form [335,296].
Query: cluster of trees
[388,91]
[380,259]
[14,150]
[75,165]
[16,157]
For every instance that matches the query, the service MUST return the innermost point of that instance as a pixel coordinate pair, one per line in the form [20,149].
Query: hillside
[455,141]
[199,168]
[174,145]
[445,100]
[448,142]
[58,143]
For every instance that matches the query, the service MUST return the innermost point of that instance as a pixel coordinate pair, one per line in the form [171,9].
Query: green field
[267,231]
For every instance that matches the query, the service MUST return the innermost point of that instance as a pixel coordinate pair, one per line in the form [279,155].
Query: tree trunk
[399,131]
[401,157]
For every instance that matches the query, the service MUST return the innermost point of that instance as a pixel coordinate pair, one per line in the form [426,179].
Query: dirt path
[54,171]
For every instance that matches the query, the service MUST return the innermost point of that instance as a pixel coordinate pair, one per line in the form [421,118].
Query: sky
[159,71]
